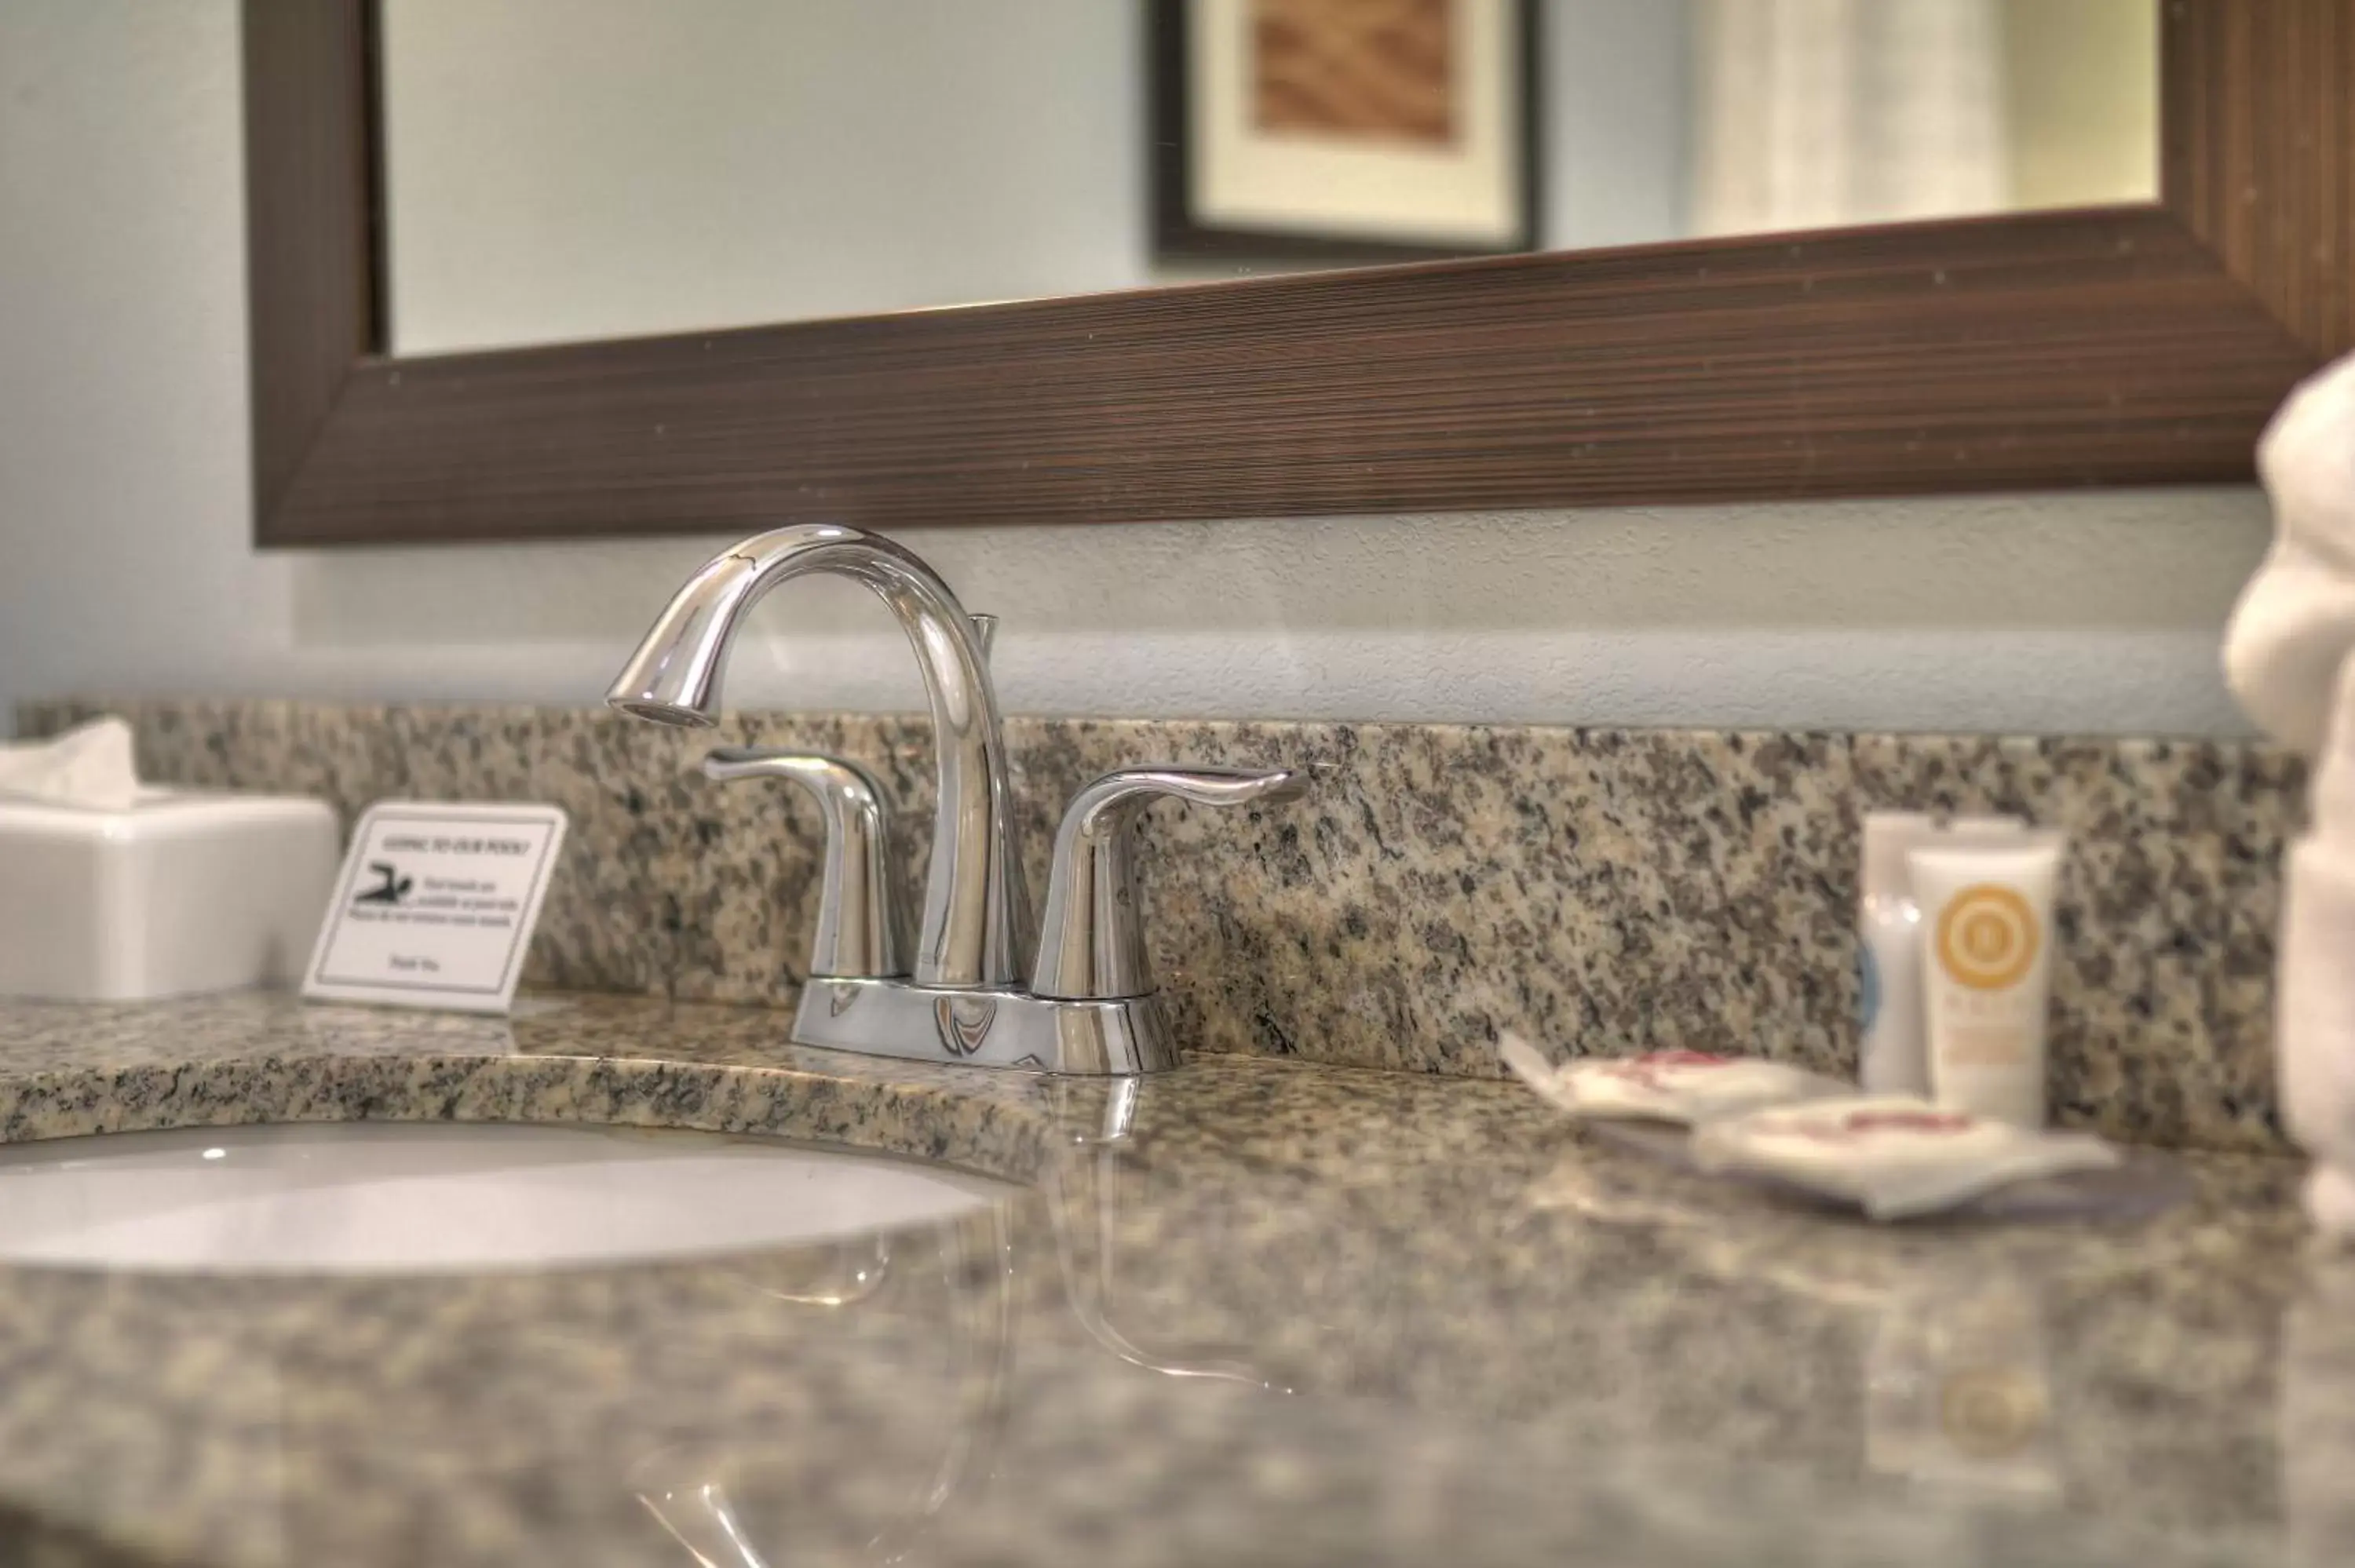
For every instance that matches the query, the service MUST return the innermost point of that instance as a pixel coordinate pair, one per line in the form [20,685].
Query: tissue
[91,766]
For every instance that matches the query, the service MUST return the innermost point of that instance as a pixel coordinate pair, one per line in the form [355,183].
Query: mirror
[560,171]
[486,275]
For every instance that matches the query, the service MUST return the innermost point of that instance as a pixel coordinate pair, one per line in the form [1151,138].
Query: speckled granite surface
[1423,1320]
[1604,891]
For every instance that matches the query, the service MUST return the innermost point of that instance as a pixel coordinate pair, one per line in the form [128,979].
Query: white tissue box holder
[180,893]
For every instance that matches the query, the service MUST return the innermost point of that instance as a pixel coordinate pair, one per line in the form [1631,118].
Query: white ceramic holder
[173,895]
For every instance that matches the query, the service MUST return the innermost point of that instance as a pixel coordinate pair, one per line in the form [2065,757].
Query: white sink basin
[391,1197]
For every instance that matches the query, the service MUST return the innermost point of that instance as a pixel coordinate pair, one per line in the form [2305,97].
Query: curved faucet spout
[976,917]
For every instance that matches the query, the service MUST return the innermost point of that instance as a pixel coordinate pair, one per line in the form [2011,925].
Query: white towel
[2294,624]
[2314,1028]
[90,767]
[2290,654]
[2330,789]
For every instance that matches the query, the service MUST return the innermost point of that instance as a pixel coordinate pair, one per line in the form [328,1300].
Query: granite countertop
[1243,1312]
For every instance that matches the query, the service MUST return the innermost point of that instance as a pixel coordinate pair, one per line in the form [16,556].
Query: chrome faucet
[972,993]
[975,911]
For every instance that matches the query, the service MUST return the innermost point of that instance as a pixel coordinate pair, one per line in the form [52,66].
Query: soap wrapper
[90,767]
[1895,1156]
[1683,1087]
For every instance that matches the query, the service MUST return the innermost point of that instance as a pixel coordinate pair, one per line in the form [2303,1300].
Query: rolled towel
[2290,656]
[2294,624]
[2331,789]
[2314,1025]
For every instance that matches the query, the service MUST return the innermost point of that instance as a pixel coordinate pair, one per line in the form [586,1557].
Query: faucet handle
[1092,943]
[859,930]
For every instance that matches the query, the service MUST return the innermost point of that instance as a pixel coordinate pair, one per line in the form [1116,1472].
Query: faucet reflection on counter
[1090,1004]
[734,1505]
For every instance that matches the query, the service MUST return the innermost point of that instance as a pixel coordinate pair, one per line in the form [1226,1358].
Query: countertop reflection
[1243,1312]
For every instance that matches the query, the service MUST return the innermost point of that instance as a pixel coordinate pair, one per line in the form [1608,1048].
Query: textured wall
[1602,891]
[124,519]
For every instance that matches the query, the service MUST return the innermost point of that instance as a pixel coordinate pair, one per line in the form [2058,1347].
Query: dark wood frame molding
[1178,235]
[2111,346]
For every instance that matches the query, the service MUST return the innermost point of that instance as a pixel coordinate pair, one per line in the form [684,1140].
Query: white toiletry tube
[1893,1046]
[1893,1042]
[1987,970]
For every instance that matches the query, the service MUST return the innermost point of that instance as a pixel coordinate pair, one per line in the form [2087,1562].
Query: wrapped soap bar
[1685,1087]
[1893,1155]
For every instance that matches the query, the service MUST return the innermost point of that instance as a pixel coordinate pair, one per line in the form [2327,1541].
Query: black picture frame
[1178,235]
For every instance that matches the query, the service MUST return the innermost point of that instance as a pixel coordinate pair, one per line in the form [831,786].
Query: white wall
[1616,116]
[2080,100]
[125,566]
[563,169]
[568,169]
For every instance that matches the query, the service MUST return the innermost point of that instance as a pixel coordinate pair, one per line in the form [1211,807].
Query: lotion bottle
[1893,1049]
[1987,970]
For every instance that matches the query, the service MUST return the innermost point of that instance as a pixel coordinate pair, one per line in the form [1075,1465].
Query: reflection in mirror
[561,169]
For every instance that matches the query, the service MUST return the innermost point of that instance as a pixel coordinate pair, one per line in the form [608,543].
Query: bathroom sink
[391,1197]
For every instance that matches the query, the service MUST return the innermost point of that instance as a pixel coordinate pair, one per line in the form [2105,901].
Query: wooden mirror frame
[2115,345]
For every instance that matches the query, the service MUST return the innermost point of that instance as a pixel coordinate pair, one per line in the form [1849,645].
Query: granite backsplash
[1601,891]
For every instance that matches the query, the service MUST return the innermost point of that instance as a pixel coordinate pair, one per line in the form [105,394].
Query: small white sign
[435,905]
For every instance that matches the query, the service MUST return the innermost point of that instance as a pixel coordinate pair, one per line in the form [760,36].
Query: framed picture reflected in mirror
[1344,130]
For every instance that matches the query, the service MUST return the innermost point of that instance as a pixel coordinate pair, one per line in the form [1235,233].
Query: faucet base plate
[986,1028]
